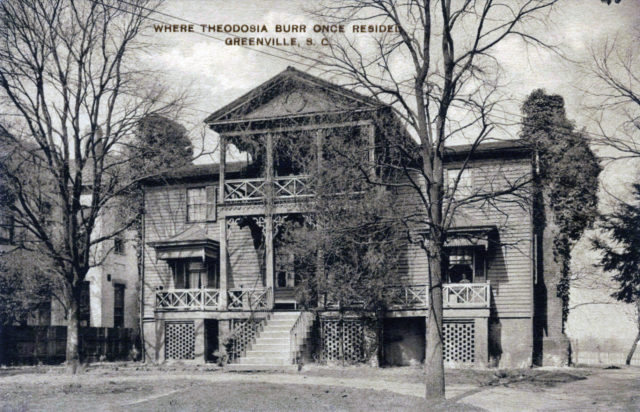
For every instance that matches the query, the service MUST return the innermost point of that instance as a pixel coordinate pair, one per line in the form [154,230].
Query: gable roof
[327,98]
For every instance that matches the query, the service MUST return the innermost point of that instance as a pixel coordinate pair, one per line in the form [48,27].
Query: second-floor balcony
[252,190]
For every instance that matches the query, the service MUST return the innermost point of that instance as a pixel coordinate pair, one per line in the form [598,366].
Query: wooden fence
[24,345]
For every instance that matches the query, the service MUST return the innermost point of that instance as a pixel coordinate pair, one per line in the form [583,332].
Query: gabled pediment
[291,93]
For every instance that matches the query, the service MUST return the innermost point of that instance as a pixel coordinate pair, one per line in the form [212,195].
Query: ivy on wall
[566,176]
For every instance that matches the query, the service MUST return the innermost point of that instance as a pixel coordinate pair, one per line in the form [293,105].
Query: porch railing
[466,295]
[454,295]
[407,296]
[188,299]
[246,190]
[250,299]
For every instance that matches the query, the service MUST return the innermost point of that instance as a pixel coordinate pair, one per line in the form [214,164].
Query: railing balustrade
[246,190]
[454,295]
[188,299]
[250,299]
[467,295]
[407,296]
[298,333]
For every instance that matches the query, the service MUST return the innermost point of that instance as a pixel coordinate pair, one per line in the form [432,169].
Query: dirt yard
[112,387]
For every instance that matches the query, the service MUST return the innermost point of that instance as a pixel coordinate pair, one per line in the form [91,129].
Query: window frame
[476,253]
[203,205]
[116,309]
[462,190]
[118,245]
[210,270]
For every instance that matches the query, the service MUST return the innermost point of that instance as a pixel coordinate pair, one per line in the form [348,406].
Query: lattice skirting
[244,334]
[342,340]
[180,340]
[459,342]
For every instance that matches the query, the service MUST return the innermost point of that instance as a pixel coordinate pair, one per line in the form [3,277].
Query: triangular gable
[292,93]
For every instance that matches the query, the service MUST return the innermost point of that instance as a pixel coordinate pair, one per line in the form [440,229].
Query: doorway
[210,340]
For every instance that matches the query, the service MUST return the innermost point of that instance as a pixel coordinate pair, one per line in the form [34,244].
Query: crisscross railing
[467,295]
[249,299]
[292,186]
[407,296]
[244,190]
[188,299]
[287,187]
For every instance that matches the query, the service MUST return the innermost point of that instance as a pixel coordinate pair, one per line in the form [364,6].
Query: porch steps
[272,348]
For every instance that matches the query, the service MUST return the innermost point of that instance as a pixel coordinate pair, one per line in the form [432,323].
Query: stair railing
[298,333]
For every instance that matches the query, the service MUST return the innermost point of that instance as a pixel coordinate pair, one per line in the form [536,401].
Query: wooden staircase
[279,345]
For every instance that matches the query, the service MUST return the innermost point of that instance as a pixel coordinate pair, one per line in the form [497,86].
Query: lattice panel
[342,340]
[245,331]
[180,340]
[459,342]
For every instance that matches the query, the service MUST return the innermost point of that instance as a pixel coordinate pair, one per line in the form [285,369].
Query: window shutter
[211,204]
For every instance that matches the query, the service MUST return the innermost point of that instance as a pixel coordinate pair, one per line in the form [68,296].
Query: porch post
[223,262]
[268,243]
[223,159]
[268,227]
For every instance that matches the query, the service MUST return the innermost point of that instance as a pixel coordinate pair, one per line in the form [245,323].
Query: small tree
[620,248]
[347,247]
[160,143]
[25,286]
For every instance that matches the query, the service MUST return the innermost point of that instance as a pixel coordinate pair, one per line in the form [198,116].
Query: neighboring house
[211,266]
[111,289]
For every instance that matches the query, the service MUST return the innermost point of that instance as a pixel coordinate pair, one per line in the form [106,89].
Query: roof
[208,171]
[291,78]
[488,149]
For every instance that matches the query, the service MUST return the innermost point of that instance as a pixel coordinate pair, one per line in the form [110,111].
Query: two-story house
[210,261]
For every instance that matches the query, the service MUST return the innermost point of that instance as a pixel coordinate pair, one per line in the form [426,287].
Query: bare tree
[435,67]
[614,94]
[69,81]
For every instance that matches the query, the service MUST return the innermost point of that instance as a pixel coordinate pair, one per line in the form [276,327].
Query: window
[465,264]
[118,245]
[118,305]
[84,307]
[285,274]
[465,183]
[194,274]
[196,204]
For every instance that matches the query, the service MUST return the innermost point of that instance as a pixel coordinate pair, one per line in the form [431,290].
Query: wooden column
[268,227]
[223,262]
[223,159]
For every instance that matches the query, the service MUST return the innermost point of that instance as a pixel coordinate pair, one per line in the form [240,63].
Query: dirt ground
[135,387]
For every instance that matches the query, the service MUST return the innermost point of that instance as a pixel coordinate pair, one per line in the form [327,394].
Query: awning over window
[192,243]
[470,236]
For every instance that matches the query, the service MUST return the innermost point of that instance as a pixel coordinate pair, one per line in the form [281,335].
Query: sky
[216,73]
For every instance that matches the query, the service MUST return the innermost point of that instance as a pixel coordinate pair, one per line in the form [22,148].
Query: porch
[401,297]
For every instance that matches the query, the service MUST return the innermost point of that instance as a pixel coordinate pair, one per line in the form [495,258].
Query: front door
[285,282]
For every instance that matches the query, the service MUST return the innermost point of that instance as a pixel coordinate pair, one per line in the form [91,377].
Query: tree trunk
[73,355]
[434,364]
[637,339]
